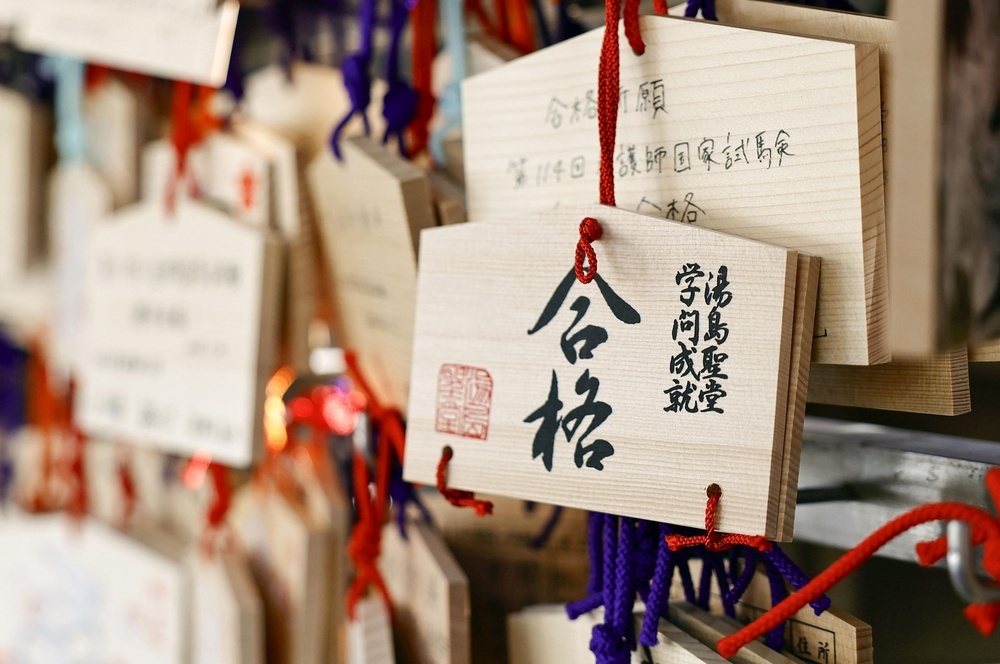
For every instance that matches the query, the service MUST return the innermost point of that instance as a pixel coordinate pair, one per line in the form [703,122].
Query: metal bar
[890,471]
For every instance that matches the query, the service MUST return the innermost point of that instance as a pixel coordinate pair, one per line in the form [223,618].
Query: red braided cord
[502,20]
[364,548]
[660,7]
[365,544]
[979,519]
[607,101]
[631,20]
[423,17]
[457,497]
[522,30]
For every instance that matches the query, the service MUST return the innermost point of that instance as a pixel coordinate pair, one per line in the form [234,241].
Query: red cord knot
[713,540]
[457,497]
[590,231]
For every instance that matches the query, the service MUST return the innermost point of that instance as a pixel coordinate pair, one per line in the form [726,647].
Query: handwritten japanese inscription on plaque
[668,372]
[764,135]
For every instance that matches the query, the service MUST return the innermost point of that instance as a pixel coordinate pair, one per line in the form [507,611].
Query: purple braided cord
[707,8]
[741,584]
[722,578]
[595,587]
[705,583]
[776,637]
[686,581]
[795,576]
[734,561]
[543,537]
[622,620]
[659,591]
[399,105]
[357,79]
[594,525]
[608,643]
[646,555]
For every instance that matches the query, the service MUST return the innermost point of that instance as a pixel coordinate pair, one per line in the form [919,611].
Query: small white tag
[369,635]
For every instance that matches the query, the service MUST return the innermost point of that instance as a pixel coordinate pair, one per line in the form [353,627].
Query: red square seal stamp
[464,395]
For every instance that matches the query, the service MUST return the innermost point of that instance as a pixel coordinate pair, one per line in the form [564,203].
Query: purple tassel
[707,8]
[399,106]
[357,79]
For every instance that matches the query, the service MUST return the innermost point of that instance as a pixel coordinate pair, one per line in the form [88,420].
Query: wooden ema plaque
[372,207]
[430,595]
[628,395]
[186,41]
[768,136]
[180,327]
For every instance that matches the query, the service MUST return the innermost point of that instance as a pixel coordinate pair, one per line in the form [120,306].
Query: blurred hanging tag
[833,637]
[180,331]
[449,198]
[369,635]
[718,127]
[326,501]
[430,595]
[186,40]
[79,200]
[307,104]
[371,208]
[104,494]
[158,161]
[522,555]
[227,622]
[290,549]
[66,572]
[24,132]
[114,118]
[282,159]
[544,634]
[187,497]
[681,370]
[293,218]
[234,175]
